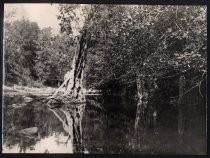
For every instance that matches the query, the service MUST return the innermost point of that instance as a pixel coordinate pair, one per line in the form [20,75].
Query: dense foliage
[126,40]
[131,40]
[35,56]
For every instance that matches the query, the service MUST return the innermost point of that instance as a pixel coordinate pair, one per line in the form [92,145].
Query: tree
[21,44]
[135,46]
[55,56]
[73,81]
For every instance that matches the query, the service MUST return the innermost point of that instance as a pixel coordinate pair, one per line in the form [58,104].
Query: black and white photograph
[104,79]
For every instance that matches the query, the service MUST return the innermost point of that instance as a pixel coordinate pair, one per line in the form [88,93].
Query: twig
[178,26]
[177,11]
[200,84]
[59,88]
[56,115]
[65,126]
[188,90]
[200,89]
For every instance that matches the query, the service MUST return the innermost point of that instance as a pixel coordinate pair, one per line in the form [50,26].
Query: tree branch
[190,90]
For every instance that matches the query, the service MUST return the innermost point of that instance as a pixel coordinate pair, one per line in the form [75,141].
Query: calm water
[110,129]
[107,127]
[102,130]
[50,137]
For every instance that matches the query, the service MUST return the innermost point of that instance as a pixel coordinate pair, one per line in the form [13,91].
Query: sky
[44,14]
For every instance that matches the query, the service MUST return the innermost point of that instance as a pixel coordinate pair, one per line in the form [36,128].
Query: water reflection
[107,128]
[50,138]
[55,143]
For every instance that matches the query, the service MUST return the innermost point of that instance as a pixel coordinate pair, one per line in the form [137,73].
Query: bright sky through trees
[44,14]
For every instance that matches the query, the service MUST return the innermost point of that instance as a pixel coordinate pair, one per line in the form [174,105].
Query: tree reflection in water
[107,128]
[50,138]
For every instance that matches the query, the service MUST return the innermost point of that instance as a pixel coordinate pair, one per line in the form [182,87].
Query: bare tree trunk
[181,117]
[140,112]
[141,93]
[144,114]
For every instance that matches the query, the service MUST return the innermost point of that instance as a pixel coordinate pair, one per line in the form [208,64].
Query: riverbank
[24,90]
[43,91]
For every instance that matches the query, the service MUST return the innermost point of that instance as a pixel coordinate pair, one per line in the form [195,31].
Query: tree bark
[75,84]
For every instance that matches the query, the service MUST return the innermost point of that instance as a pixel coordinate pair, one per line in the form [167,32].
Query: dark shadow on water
[110,130]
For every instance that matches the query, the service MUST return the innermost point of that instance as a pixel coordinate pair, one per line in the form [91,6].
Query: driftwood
[56,92]
[28,131]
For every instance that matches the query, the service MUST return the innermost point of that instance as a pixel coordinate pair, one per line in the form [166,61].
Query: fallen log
[28,131]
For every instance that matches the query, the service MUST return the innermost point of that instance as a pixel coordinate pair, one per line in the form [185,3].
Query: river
[107,128]
[101,124]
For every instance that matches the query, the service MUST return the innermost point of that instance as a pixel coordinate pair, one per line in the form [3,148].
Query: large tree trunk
[75,84]
[74,77]
[73,98]
[75,88]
